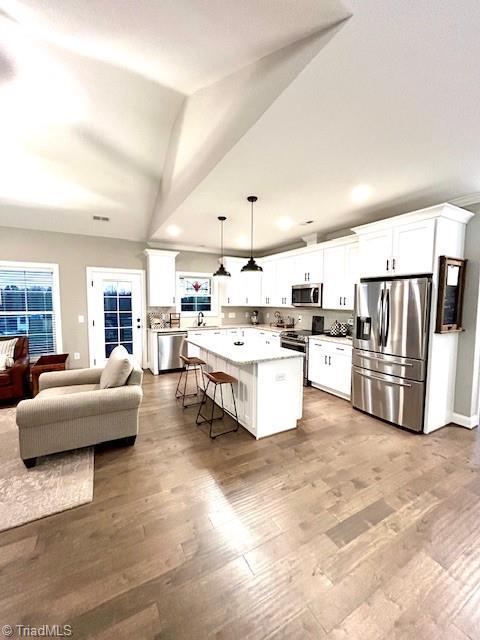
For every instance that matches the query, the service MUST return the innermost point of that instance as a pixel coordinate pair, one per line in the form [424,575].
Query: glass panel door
[115,315]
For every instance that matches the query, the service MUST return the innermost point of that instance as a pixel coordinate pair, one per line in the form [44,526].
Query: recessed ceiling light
[173,230]
[360,193]
[284,223]
[243,241]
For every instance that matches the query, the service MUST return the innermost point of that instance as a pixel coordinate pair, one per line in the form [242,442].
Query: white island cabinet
[269,391]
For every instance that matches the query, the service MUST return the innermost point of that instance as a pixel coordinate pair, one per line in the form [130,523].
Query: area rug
[58,482]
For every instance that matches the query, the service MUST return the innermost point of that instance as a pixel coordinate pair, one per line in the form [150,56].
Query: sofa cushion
[55,392]
[117,370]
[7,348]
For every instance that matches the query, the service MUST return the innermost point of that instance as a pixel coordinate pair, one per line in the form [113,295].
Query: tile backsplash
[241,315]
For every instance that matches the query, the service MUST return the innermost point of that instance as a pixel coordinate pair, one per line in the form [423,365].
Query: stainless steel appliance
[297,340]
[170,346]
[390,349]
[307,295]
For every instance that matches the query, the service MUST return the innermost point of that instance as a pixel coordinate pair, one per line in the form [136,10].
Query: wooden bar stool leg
[177,394]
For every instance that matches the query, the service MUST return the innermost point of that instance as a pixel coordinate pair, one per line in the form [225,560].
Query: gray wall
[266,315]
[73,253]
[467,381]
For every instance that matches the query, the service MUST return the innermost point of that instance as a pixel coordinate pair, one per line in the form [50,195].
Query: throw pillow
[119,366]
[3,362]
[7,349]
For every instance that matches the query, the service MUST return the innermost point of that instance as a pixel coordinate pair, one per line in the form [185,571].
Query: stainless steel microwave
[307,295]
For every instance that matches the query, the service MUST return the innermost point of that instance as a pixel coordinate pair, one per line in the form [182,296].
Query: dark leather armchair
[14,382]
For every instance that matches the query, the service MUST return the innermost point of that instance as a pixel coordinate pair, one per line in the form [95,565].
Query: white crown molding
[443,210]
[466,200]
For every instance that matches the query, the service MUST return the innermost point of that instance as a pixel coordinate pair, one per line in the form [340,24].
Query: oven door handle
[294,344]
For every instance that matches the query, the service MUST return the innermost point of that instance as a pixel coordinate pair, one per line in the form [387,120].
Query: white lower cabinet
[330,366]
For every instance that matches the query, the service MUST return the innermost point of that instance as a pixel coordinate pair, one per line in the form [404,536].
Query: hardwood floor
[344,528]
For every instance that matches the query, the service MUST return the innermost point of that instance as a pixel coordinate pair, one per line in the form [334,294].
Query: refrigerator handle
[380,315]
[387,318]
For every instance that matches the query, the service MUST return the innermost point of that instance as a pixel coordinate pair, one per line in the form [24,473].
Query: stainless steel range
[297,340]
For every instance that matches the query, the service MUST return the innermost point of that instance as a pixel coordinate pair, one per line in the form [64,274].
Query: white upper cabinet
[284,281]
[308,267]
[269,278]
[397,250]
[413,248]
[161,280]
[340,273]
[375,253]
[241,289]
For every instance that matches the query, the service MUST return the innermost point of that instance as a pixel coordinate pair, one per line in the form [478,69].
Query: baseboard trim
[470,422]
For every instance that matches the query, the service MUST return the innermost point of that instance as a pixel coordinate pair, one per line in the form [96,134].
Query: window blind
[26,307]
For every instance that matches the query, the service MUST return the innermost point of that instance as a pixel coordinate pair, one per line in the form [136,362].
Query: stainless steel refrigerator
[390,343]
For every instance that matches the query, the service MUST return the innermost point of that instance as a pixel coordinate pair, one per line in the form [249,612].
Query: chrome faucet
[200,318]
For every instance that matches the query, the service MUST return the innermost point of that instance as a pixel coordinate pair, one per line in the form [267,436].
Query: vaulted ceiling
[163,115]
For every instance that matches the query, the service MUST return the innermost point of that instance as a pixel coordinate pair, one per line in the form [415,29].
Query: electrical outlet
[81,319]
[268,316]
[232,314]
[350,322]
[222,315]
[76,356]
[246,314]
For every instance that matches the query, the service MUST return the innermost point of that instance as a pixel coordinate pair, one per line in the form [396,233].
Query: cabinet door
[333,278]
[413,248]
[251,287]
[376,254]
[268,282]
[340,370]
[313,263]
[233,291]
[161,279]
[351,275]
[316,362]
[284,281]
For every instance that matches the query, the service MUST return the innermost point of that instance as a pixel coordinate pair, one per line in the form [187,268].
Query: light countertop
[262,327]
[340,339]
[249,353]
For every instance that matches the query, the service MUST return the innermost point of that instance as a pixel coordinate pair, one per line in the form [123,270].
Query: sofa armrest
[68,378]
[38,411]
[20,369]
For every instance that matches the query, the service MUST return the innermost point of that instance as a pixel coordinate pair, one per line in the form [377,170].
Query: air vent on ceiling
[101,218]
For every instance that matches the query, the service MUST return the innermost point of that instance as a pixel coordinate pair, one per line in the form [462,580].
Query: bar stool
[218,378]
[189,364]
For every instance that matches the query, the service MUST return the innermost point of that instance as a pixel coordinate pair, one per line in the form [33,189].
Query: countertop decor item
[221,272]
[175,320]
[251,266]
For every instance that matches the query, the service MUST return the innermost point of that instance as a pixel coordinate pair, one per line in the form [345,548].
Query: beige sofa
[71,411]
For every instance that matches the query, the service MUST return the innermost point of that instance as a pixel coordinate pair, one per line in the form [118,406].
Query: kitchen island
[269,392]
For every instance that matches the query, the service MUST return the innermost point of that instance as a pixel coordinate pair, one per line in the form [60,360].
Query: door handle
[391,382]
[329,360]
[393,264]
[388,264]
[380,317]
[344,301]
[387,318]
[325,359]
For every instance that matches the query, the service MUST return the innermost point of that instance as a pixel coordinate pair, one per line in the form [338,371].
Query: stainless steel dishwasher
[170,345]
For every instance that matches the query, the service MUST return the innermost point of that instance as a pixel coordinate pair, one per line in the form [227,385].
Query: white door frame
[91,271]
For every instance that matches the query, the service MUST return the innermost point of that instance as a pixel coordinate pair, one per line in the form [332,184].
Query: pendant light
[251,266]
[221,272]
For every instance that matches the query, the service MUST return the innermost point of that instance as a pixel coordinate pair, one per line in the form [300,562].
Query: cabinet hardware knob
[393,264]
[388,264]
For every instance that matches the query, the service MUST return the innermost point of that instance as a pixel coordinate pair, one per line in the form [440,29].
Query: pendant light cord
[221,227]
[251,233]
